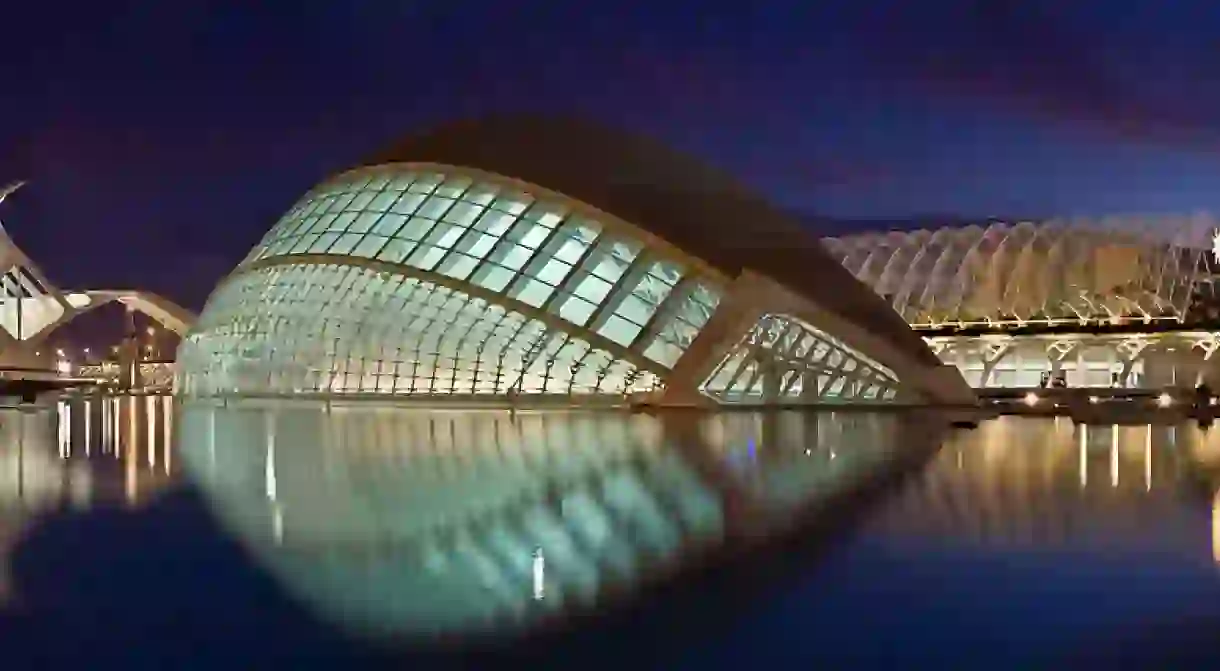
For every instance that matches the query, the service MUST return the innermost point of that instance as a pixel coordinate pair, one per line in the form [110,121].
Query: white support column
[1209,343]
[1129,351]
[992,353]
[1059,350]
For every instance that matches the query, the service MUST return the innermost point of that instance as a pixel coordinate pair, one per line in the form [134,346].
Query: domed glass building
[549,260]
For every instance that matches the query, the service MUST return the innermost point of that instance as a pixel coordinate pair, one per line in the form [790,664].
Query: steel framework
[1078,270]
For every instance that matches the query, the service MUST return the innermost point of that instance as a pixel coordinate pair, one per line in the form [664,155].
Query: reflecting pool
[271,528]
[400,522]
[1027,543]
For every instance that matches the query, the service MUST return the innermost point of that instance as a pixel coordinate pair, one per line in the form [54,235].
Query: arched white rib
[1116,267]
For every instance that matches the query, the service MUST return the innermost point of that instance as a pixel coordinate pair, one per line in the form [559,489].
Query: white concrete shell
[552,261]
[31,307]
[1117,267]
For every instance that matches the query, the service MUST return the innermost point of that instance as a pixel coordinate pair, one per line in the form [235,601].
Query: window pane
[369,246]
[494,277]
[389,224]
[619,330]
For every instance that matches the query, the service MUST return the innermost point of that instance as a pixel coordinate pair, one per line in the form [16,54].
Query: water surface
[252,532]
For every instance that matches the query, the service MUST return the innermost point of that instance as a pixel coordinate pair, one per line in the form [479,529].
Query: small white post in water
[539,574]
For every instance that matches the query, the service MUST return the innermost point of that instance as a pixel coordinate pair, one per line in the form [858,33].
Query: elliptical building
[550,261]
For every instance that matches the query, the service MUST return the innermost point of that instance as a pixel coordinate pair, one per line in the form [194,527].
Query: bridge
[32,308]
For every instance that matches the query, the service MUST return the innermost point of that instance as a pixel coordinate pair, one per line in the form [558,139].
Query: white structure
[1181,358]
[1060,271]
[1097,303]
[542,260]
[31,307]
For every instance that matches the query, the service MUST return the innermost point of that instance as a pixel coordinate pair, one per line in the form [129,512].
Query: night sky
[162,139]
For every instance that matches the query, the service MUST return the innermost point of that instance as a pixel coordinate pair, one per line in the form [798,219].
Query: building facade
[539,260]
[1121,302]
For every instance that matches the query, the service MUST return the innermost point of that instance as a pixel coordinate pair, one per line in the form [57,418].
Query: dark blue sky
[163,138]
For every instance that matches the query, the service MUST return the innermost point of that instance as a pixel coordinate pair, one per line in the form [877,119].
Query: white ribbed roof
[1058,269]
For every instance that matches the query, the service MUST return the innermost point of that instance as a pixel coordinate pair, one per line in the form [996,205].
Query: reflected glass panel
[396,521]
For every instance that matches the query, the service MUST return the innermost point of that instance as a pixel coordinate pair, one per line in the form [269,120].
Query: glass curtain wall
[359,289]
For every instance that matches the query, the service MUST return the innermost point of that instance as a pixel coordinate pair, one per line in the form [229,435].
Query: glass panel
[332,328]
[501,240]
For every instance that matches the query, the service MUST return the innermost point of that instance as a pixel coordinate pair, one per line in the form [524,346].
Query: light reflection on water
[1030,483]
[395,521]
[104,451]
[1022,544]
[390,521]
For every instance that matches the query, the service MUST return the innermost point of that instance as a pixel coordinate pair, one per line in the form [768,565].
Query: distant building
[540,260]
[1119,302]
[31,308]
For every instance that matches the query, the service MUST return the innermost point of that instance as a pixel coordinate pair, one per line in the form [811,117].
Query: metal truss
[1111,269]
[784,360]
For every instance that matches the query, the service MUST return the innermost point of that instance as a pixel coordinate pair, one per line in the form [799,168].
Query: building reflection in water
[107,451]
[395,521]
[1023,483]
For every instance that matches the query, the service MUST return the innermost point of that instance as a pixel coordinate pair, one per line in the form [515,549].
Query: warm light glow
[1084,455]
[150,427]
[1094,399]
[151,331]
[1164,400]
[1216,528]
[59,352]
[1148,458]
[88,415]
[1031,399]
[132,448]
